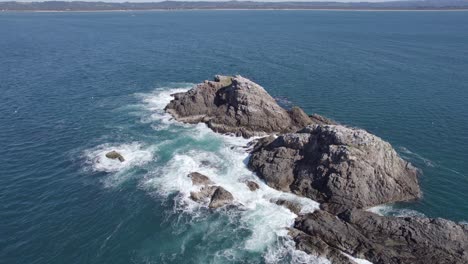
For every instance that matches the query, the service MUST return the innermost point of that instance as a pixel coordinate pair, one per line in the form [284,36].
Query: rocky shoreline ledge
[346,169]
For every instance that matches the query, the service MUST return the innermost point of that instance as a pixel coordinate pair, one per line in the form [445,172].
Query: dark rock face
[253,186]
[220,198]
[340,167]
[235,105]
[115,155]
[382,239]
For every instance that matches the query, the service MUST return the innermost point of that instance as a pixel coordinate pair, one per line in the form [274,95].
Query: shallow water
[75,85]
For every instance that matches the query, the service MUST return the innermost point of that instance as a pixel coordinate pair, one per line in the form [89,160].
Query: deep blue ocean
[76,85]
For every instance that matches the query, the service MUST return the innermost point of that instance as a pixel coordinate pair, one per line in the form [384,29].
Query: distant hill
[181,5]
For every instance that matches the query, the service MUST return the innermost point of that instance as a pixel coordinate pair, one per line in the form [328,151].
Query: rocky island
[346,169]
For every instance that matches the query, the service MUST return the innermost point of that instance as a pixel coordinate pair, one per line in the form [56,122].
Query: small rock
[204,193]
[199,179]
[220,198]
[115,155]
[253,186]
[292,206]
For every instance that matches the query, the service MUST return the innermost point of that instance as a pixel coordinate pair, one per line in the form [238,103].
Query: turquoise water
[75,85]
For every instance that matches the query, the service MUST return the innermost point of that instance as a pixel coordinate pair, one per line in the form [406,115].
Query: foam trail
[357,260]
[388,210]
[408,152]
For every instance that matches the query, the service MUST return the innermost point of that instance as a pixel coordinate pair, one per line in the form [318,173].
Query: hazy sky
[213,0]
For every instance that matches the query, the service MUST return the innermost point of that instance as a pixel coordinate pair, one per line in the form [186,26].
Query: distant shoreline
[197,5]
[239,9]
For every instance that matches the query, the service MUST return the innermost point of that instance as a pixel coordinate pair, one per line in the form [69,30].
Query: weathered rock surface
[115,155]
[236,105]
[381,239]
[253,186]
[220,198]
[338,166]
[199,179]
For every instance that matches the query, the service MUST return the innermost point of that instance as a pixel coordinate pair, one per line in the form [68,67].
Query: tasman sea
[74,86]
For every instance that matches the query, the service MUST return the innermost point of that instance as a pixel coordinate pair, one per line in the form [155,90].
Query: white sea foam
[224,162]
[411,154]
[357,260]
[156,102]
[134,153]
[286,252]
[398,212]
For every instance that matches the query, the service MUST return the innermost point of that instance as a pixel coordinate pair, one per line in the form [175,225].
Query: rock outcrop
[345,169]
[381,239]
[115,155]
[236,105]
[216,195]
[341,167]
[220,198]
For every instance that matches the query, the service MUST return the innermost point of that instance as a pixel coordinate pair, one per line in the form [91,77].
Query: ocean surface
[76,85]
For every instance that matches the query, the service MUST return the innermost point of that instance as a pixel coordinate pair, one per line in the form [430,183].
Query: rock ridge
[236,105]
[381,239]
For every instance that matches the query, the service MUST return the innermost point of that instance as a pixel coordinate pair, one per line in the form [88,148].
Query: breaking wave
[182,149]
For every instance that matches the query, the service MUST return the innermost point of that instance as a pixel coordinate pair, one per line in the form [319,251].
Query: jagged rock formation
[345,169]
[338,166]
[236,105]
[381,239]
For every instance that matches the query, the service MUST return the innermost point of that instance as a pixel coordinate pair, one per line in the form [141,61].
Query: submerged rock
[292,206]
[338,166]
[220,198]
[115,155]
[381,239]
[235,105]
[253,186]
[199,179]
